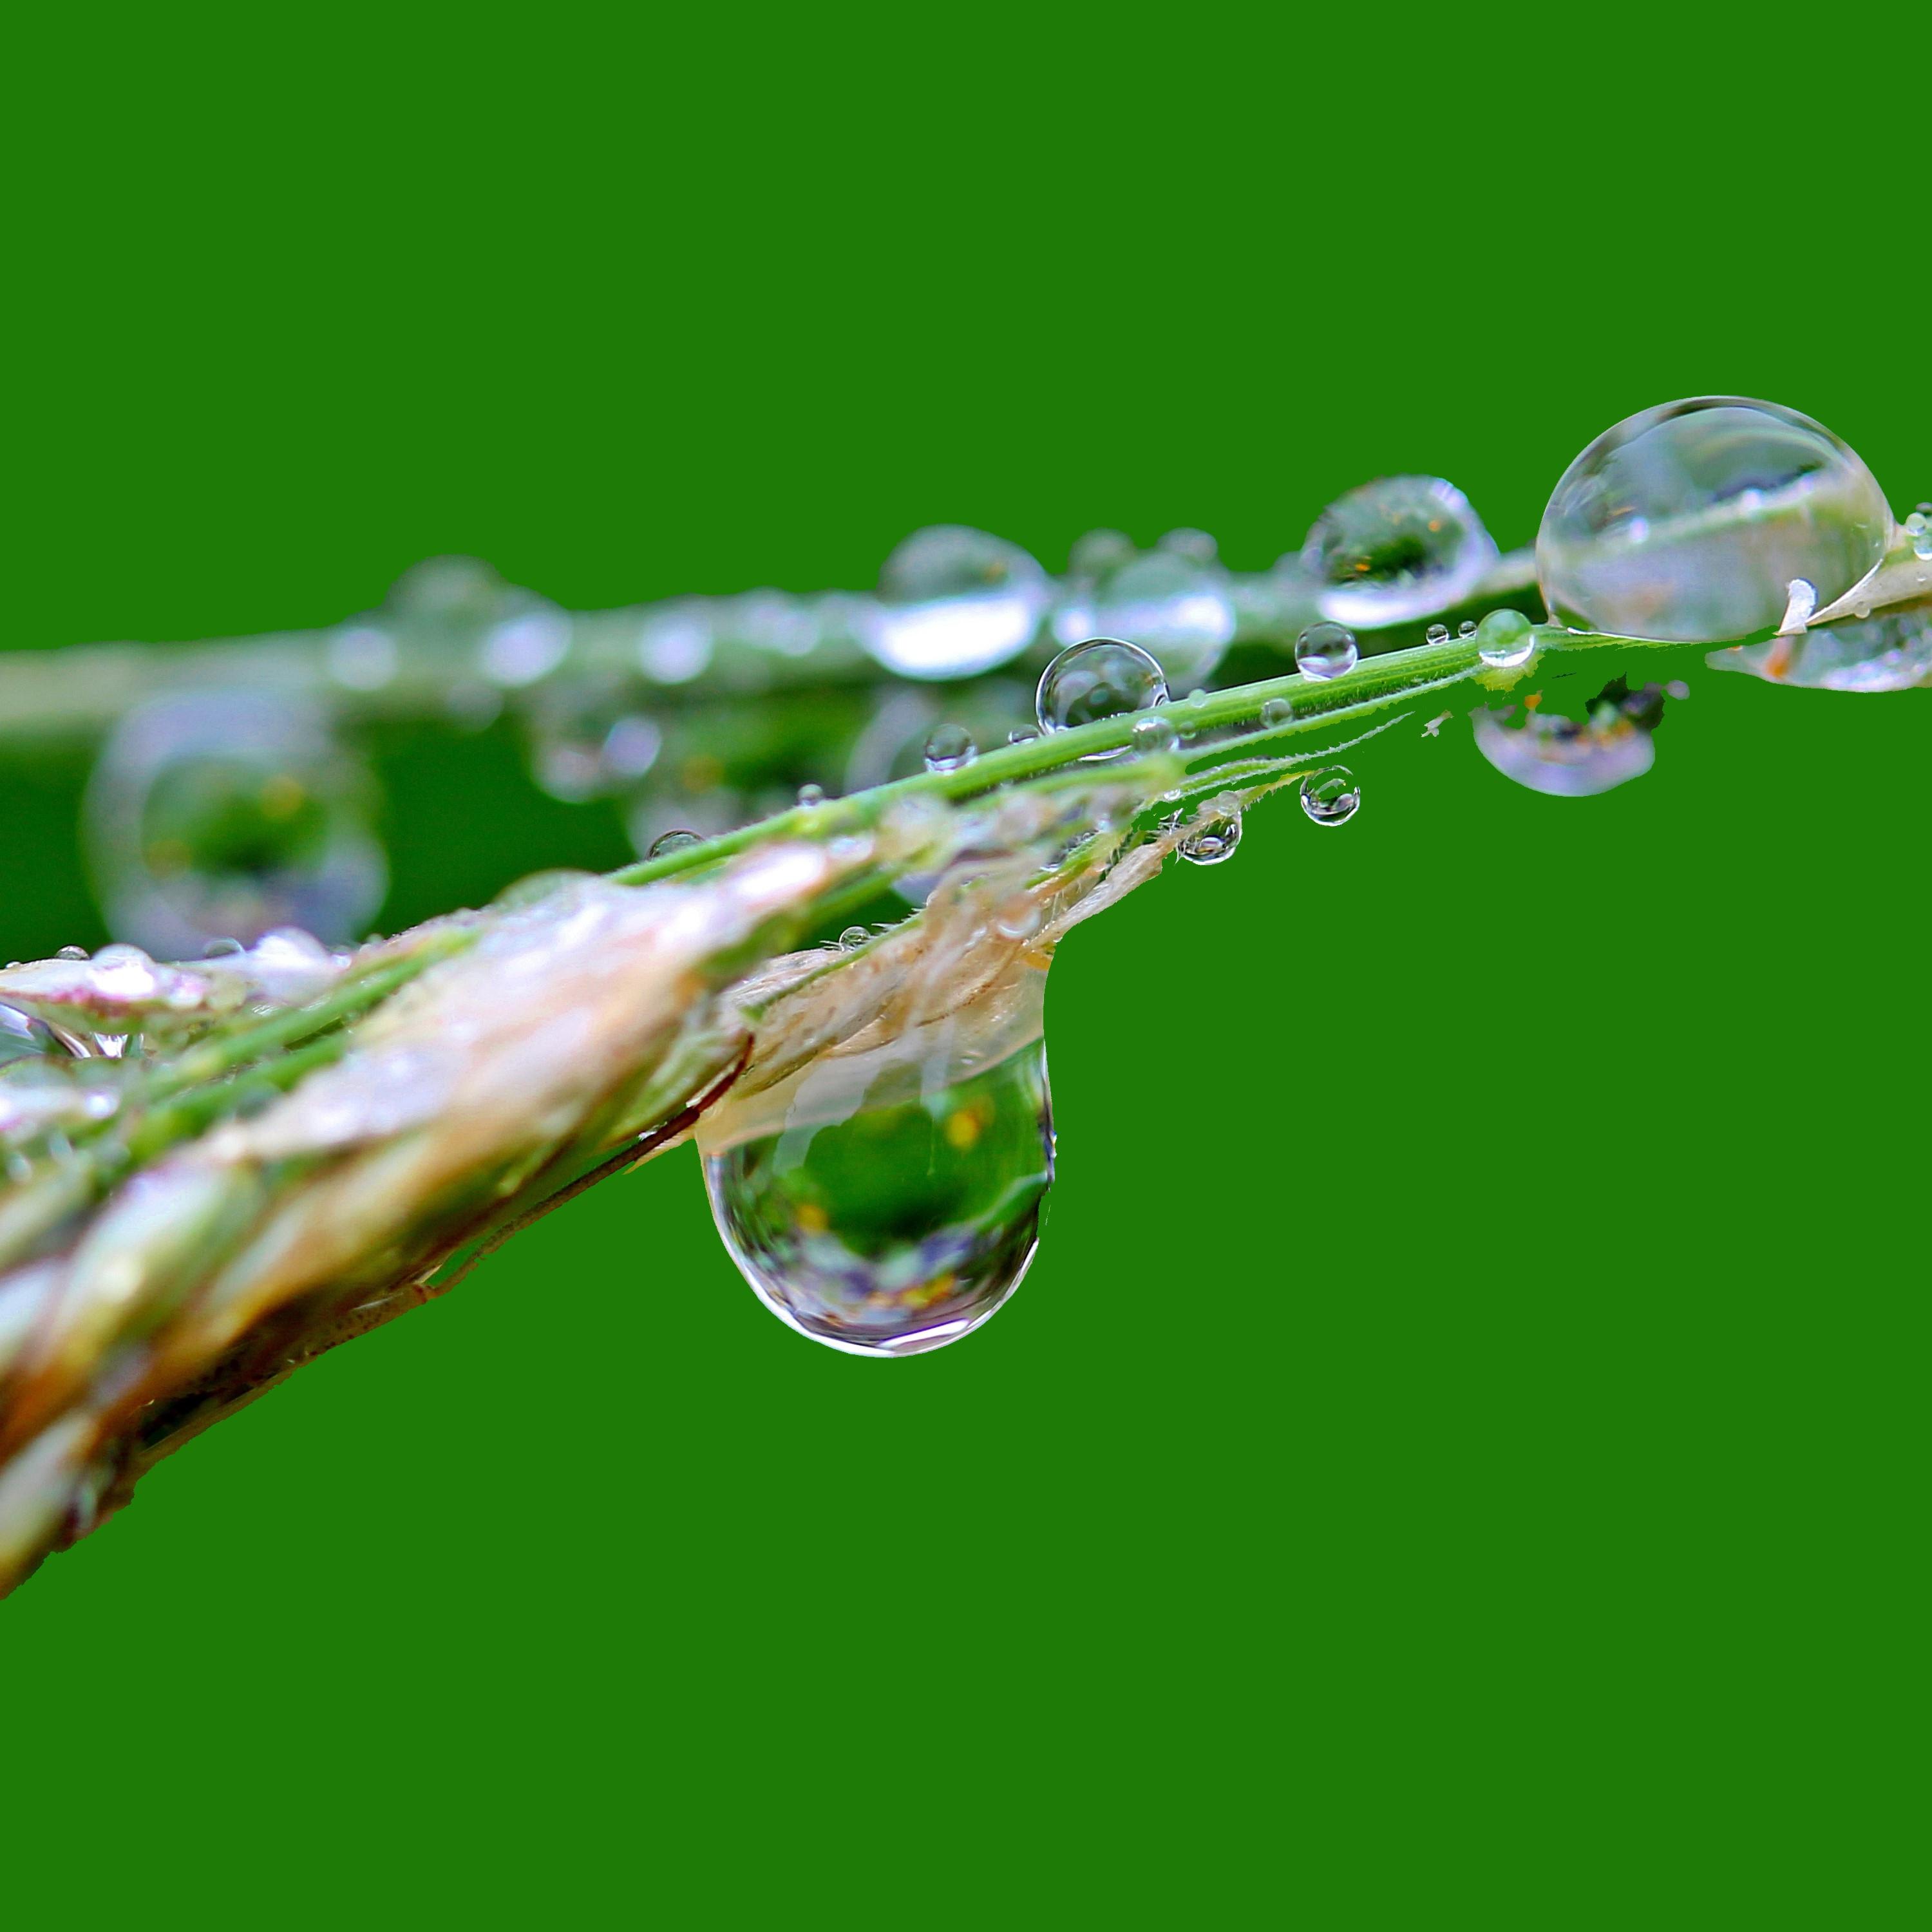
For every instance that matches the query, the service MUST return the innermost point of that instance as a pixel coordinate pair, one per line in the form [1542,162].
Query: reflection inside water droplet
[948,747]
[894,1208]
[1891,652]
[1214,840]
[1101,678]
[1330,797]
[1563,757]
[1395,550]
[677,840]
[1325,650]
[1505,639]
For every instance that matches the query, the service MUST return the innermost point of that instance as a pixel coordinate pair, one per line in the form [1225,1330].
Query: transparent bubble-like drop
[1102,678]
[1395,550]
[1325,650]
[1277,711]
[232,812]
[810,795]
[891,1217]
[1562,758]
[1892,651]
[677,840]
[1690,522]
[948,747]
[1330,797]
[1175,605]
[853,937]
[1505,639]
[1918,531]
[1214,840]
[1156,733]
[954,601]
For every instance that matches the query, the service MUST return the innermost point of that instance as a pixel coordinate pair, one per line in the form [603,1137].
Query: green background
[1458,1457]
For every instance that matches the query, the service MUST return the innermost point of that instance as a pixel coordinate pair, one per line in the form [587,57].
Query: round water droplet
[1505,639]
[810,794]
[1156,733]
[1173,605]
[892,1220]
[1277,711]
[1325,650]
[1024,735]
[1395,550]
[1214,840]
[1690,522]
[677,840]
[1102,678]
[853,937]
[953,602]
[72,952]
[1330,797]
[948,747]
[1562,758]
[1438,633]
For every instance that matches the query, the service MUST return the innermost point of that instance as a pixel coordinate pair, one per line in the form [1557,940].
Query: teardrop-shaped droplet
[954,601]
[1102,678]
[892,1219]
[1330,797]
[1214,840]
[1690,521]
[677,840]
[1395,550]
[1505,639]
[948,747]
[1325,650]
[1174,605]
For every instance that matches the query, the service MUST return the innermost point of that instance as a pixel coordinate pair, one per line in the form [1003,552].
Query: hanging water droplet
[1156,733]
[954,601]
[1325,650]
[677,840]
[1690,521]
[1564,758]
[1102,678]
[1330,797]
[1214,840]
[853,937]
[1395,550]
[1890,651]
[1505,639]
[892,1218]
[810,795]
[1174,605]
[948,747]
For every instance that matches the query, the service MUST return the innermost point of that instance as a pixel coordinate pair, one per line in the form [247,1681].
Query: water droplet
[1437,634]
[1890,651]
[1330,797]
[1690,521]
[1395,550]
[810,795]
[853,937]
[948,747]
[1921,537]
[1562,758]
[1156,733]
[1173,605]
[1214,840]
[1325,650]
[1505,639]
[677,840]
[1024,735]
[1277,711]
[893,1219]
[1467,628]
[1102,678]
[953,602]
[72,952]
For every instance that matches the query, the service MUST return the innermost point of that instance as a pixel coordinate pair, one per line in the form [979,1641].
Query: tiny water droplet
[1101,678]
[1214,840]
[948,747]
[1024,735]
[853,937]
[222,948]
[1330,797]
[1505,639]
[810,794]
[677,840]
[1438,633]
[892,1220]
[1155,734]
[1690,521]
[953,602]
[1277,711]
[1467,628]
[1395,550]
[72,952]
[1325,650]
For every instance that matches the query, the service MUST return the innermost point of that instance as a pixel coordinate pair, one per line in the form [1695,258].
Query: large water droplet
[948,747]
[233,812]
[1505,639]
[1690,521]
[1395,550]
[1331,797]
[893,1219]
[954,601]
[1325,650]
[1891,652]
[1214,840]
[1564,758]
[1174,605]
[1102,678]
